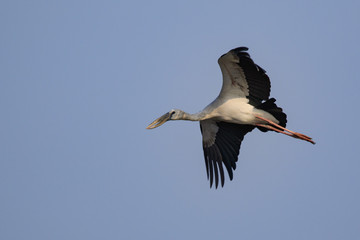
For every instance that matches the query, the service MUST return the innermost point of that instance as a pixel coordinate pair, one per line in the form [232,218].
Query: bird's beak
[160,121]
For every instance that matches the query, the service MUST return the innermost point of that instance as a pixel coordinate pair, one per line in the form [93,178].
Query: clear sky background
[80,81]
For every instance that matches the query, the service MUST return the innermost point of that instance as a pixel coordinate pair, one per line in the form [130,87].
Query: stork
[242,105]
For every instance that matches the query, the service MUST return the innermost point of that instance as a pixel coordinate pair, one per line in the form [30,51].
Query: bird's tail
[274,110]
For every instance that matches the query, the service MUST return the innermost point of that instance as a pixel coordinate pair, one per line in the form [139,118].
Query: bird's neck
[192,117]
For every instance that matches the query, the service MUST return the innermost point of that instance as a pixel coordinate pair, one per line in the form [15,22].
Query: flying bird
[242,105]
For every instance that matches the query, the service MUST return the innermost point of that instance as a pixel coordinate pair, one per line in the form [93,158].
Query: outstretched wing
[242,77]
[221,144]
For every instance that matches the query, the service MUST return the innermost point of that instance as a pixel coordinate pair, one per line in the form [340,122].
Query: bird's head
[174,114]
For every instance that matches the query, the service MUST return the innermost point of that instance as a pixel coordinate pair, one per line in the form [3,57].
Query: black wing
[221,144]
[242,77]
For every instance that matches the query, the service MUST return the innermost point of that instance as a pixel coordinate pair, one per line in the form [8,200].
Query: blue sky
[80,81]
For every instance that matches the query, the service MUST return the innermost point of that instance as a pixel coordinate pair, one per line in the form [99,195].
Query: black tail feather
[274,110]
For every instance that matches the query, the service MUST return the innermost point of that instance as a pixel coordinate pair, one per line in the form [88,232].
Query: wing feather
[243,78]
[221,144]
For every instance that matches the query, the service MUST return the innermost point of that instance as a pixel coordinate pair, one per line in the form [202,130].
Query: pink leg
[276,127]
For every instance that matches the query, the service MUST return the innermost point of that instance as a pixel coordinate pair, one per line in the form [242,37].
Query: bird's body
[235,110]
[242,105]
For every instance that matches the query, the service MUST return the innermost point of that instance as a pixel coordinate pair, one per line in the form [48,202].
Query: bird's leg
[276,127]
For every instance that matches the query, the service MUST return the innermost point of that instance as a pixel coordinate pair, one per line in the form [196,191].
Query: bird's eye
[172,114]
